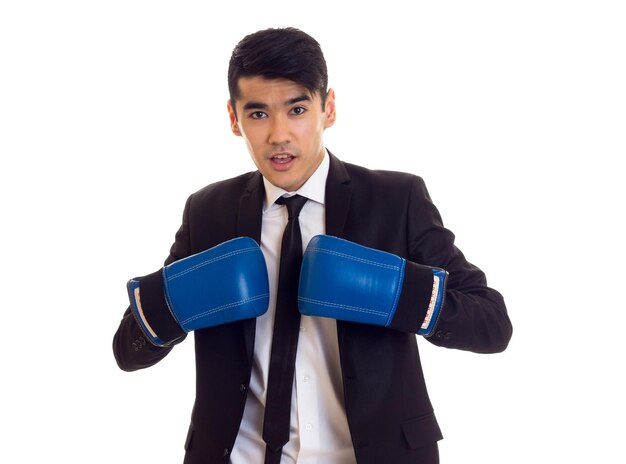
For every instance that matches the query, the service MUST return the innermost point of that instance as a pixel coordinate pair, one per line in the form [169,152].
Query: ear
[330,112]
[234,126]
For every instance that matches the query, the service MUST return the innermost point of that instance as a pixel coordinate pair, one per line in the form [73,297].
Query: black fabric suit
[389,413]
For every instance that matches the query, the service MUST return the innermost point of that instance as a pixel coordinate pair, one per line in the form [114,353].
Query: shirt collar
[313,189]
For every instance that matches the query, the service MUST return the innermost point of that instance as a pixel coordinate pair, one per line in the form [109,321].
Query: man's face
[283,126]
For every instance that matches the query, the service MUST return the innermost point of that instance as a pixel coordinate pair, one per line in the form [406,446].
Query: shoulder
[234,184]
[227,190]
[378,179]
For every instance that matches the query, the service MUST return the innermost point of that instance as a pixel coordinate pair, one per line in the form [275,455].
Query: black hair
[285,53]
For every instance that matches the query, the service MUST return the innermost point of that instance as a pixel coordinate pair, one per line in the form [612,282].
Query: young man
[309,359]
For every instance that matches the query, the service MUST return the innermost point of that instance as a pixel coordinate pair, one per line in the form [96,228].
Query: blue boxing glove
[346,281]
[223,284]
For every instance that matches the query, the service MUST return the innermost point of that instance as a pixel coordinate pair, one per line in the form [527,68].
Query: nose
[279,131]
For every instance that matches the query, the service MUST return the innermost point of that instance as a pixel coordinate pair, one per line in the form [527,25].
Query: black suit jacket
[389,413]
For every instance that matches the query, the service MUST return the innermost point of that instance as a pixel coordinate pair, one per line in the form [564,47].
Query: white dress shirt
[319,429]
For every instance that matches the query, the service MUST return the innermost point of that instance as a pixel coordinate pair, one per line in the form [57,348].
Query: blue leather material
[442,276]
[223,284]
[347,281]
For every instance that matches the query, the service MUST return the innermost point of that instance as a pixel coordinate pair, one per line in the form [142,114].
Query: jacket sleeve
[473,316]
[131,348]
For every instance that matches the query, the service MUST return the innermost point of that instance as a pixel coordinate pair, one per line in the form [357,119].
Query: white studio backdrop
[112,113]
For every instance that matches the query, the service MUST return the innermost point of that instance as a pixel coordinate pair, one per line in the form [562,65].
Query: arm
[435,292]
[216,286]
[474,316]
[131,348]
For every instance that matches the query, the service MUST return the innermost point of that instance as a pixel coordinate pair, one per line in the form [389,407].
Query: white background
[514,112]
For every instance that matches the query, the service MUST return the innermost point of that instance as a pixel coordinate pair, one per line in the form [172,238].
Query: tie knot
[294,205]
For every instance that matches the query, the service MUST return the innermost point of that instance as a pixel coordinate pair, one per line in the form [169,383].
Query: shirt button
[302,328]
[306,378]
[308,427]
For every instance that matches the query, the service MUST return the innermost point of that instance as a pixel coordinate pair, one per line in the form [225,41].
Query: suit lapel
[337,202]
[338,195]
[250,213]
[249,220]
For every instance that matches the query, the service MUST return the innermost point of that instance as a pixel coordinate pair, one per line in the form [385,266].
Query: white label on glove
[431,304]
[143,318]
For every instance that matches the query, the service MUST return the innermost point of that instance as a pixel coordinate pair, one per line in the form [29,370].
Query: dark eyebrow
[254,105]
[298,99]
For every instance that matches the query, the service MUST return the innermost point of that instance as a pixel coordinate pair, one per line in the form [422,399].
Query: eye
[298,110]
[258,115]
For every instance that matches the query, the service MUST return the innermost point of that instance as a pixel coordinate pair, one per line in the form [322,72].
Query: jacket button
[439,334]
[447,336]
[226,452]
[242,388]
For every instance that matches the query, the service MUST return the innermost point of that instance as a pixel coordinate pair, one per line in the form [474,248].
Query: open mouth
[282,160]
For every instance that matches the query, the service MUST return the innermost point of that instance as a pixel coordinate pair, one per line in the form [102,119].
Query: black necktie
[276,423]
